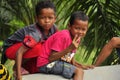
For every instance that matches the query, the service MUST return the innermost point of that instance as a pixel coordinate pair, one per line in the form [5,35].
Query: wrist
[71,47]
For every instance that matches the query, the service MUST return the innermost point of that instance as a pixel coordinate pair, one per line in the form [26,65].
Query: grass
[9,65]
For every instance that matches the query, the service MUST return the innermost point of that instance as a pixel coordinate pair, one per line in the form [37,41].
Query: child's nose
[47,20]
[79,31]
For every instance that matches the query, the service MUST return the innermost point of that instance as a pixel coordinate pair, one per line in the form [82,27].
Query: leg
[70,71]
[23,71]
[30,59]
[107,50]
[65,69]
[30,65]
[78,74]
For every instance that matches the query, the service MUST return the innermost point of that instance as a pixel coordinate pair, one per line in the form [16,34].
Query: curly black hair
[44,4]
[78,15]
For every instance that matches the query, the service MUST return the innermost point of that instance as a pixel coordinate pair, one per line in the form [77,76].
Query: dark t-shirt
[29,36]
[33,31]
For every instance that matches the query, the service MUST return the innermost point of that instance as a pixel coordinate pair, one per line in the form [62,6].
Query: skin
[107,50]
[45,19]
[78,30]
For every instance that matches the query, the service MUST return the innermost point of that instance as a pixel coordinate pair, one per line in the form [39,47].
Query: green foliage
[1,43]
[104,21]
[14,14]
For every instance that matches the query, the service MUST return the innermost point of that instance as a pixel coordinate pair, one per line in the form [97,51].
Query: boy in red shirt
[58,50]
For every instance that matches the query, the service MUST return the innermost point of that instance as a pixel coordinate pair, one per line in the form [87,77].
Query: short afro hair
[78,15]
[44,4]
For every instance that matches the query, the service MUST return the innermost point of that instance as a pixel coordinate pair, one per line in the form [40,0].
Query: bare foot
[24,72]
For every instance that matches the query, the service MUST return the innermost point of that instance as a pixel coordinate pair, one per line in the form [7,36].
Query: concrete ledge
[43,77]
[98,73]
[103,73]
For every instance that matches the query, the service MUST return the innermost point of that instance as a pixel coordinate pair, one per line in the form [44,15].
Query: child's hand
[85,67]
[76,41]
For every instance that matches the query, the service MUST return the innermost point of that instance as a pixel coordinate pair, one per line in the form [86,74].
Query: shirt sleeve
[29,41]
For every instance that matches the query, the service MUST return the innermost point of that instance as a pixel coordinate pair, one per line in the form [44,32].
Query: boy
[57,52]
[107,50]
[25,43]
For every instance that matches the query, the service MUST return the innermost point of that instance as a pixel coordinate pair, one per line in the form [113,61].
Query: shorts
[30,65]
[32,52]
[60,68]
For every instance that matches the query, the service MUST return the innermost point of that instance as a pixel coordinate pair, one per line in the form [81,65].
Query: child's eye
[51,17]
[77,28]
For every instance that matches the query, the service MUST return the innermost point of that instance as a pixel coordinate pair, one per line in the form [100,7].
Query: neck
[46,32]
[71,35]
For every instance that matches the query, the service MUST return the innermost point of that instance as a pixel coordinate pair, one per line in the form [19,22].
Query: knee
[113,42]
[79,71]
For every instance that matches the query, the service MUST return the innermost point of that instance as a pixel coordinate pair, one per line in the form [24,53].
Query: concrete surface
[103,73]
[98,73]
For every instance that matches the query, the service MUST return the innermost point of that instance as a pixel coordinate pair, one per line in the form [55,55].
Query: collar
[51,31]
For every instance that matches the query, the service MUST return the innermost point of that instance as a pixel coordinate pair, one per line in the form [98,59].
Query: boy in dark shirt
[26,42]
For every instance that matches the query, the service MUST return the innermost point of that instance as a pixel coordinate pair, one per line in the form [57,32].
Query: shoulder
[30,27]
[63,33]
[26,28]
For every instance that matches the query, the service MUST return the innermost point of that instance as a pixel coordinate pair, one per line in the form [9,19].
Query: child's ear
[36,19]
[68,26]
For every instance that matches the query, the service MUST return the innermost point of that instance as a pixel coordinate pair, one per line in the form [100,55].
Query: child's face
[79,28]
[46,18]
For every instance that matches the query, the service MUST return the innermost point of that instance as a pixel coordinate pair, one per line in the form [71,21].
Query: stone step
[98,73]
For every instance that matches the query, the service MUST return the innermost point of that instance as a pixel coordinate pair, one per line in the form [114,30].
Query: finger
[92,67]
[75,38]
[78,39]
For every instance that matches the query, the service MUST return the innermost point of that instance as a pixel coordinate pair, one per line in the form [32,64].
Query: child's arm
[19,56]
[57,55]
